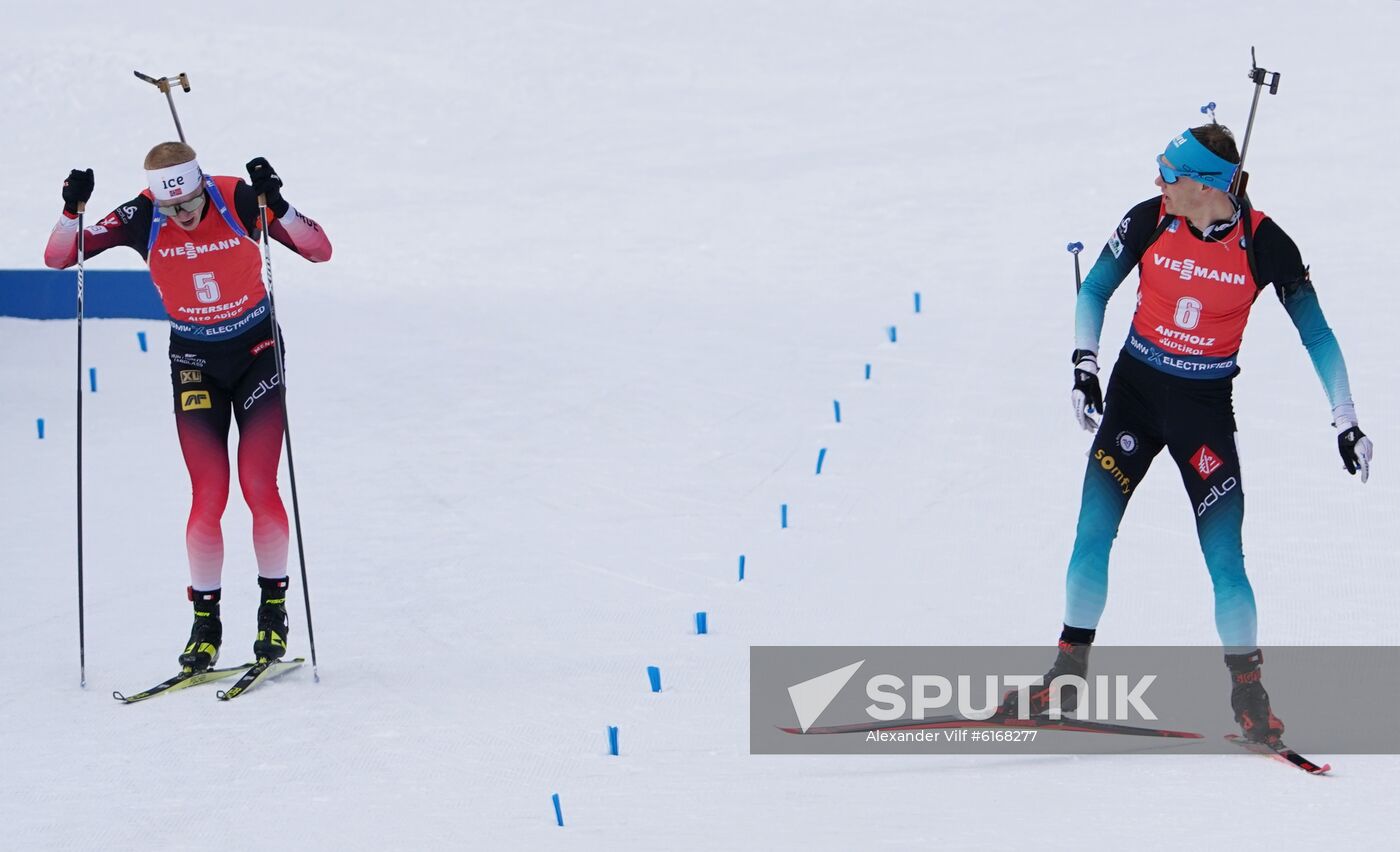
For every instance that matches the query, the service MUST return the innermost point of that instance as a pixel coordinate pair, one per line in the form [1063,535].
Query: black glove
[77,190]
[1356,451]
[1086,396]
[265,182]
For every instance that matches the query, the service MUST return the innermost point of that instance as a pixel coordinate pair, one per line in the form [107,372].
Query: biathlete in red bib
[1203,257]
[199,234]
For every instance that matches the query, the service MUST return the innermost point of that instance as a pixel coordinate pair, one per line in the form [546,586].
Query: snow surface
[601,269]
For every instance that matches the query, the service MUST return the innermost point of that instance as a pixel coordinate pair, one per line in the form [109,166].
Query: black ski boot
[271,643]
[202,651]
[1073,659]
[1250,701]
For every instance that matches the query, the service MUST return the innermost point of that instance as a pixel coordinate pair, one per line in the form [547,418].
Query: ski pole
[163,83]
[287,429]
[1075,249]
[82,638]
[1261,78]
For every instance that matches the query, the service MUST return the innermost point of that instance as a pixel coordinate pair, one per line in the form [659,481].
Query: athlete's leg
[1202,441]
[1118,459]
[1127,440]
[258,407]
[202,411]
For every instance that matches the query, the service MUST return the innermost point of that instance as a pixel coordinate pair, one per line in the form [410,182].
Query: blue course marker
[612,740]
[741,558]
[654,675]
[92,378]
[918,302]
[141,339]
[784,516]
[41,435]
[558,813]
[836,405]
[821,457]
[893,335]
[867,372]
[701,624]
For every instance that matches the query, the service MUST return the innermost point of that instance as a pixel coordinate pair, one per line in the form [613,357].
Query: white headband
[175,183]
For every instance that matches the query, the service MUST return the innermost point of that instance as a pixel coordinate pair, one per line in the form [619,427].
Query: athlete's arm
[290,227]
[121,227]
[1119,255]
[1280,265]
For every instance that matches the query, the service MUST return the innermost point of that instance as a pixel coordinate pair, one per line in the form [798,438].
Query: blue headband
[1187,157]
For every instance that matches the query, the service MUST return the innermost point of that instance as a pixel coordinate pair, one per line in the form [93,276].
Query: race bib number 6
[1188,312]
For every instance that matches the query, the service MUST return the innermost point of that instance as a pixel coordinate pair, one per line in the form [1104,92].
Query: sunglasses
[1171,173]
[194,205]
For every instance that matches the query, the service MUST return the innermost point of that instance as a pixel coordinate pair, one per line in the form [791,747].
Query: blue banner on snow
[53,294]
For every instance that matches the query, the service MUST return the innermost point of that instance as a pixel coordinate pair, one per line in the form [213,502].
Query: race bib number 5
[206,289]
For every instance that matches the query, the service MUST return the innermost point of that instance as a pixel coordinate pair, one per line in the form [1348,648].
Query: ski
[257,673]
[1280,752]
[1044,723]
[182,680]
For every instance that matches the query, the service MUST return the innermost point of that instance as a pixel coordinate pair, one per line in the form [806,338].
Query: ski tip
[1280,752]
[1306,765]
[118,695]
